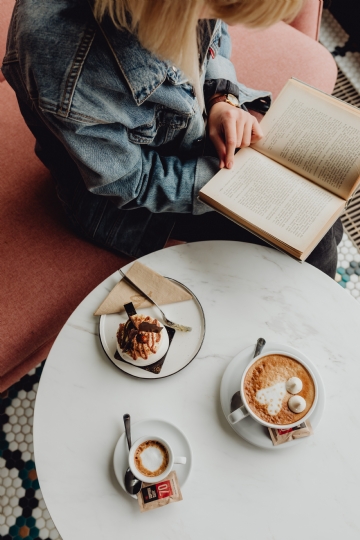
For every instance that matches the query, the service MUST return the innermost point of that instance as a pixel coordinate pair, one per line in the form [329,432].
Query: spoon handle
[127,429]
[259,346]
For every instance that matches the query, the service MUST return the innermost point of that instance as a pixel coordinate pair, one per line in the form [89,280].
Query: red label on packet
[157,491]
[163,489]
[160,494]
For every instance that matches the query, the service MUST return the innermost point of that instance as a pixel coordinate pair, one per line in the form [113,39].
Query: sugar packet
[160,494]
[281,436]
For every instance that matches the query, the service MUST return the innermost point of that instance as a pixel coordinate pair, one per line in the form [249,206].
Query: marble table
[235,490]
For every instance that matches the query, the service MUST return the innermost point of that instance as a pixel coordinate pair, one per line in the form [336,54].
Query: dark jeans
[213,226]
[138,232]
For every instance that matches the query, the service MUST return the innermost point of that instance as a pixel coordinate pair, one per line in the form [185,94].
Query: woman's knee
[324,257]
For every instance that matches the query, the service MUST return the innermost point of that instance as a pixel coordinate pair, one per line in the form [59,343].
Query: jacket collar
[143,71]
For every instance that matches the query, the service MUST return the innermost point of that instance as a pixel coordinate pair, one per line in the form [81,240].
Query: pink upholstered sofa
[45,269]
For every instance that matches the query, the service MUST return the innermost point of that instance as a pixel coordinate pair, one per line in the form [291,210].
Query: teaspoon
[236,399]
[132,484]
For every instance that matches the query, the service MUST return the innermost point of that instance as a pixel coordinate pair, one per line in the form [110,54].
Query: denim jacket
[120,130]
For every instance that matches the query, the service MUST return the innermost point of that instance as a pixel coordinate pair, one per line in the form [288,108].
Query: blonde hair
[168,28]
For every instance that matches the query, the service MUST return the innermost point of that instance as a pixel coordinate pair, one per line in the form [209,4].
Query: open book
[291,186]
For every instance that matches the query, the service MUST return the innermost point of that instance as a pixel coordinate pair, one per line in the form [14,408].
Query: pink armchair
[266,59]
[46,270]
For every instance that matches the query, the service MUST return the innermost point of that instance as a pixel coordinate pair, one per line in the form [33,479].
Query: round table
[235,489]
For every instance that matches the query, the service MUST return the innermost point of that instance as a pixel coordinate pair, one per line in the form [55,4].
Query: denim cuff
[219,86]
[206,168]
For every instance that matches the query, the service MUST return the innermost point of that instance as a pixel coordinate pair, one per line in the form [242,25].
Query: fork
[167,322]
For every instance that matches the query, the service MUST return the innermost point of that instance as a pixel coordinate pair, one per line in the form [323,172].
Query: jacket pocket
[165,127]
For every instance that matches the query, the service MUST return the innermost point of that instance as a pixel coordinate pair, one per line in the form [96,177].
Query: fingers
[245,134]
[231,137]
[257,132]
[220,147]
[231,128]
[251,132]
[240,130]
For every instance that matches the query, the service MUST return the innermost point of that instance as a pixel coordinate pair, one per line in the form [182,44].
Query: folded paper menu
[162,290]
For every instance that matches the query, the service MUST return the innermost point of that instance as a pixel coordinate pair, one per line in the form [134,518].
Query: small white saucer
[167,431]
[249,429]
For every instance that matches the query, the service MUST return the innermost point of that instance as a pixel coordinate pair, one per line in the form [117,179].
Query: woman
[135,105]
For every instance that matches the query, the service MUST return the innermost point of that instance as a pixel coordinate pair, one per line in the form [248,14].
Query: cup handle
[180,459]
[238,414]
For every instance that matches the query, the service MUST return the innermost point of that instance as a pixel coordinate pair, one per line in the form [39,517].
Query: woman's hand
[230,128]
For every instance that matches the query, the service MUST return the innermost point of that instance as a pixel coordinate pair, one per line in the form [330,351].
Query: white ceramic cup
[244,411]
[172,459]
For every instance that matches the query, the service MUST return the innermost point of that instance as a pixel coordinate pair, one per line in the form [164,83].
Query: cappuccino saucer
[249,429]
[163,429]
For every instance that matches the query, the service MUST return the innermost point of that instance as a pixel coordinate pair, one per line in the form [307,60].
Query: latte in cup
[279,389]
[151,458]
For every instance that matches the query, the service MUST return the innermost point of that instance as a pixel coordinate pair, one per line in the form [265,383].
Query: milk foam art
[152,458]
[272,396]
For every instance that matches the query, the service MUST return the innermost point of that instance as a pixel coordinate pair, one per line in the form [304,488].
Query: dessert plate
[165,430]
[184,346]
[249,429]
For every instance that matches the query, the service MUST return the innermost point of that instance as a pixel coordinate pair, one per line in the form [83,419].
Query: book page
[273,198]
[315,135]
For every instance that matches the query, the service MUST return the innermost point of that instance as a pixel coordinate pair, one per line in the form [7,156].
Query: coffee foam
[151,458]
[272,396]
[265,388]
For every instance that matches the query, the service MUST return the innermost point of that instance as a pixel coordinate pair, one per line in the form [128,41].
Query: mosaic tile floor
[23,513]
[348,271]
[333,37]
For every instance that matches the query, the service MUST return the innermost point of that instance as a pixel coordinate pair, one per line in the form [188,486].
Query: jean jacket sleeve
[132,175]
[220,67]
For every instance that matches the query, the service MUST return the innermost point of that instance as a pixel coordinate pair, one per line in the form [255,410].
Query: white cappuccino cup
[245,410]
[151,459]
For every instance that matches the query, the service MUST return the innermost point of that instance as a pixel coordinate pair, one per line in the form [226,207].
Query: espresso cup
[149,454]
[244,411]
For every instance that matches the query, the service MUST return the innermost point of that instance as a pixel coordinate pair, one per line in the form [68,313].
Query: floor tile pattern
[348,271]
[333,37]
[23,513]
[351,219]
